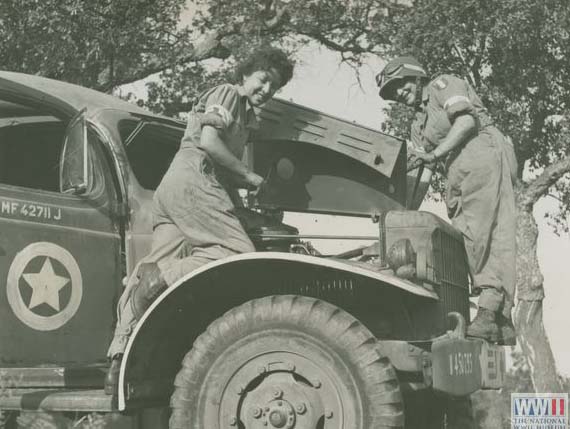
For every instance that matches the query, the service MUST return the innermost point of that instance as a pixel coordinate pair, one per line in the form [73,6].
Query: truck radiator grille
[451,273]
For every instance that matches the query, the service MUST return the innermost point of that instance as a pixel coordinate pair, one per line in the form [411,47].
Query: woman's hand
[254,180]
[256,183]
[211,119]
[417,158]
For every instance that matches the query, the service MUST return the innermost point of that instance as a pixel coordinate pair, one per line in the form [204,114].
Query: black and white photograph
[284,214]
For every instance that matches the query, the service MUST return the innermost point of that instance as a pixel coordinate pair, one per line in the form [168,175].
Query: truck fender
[169,326]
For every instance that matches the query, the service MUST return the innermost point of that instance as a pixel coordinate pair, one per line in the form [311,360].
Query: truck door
[60,241]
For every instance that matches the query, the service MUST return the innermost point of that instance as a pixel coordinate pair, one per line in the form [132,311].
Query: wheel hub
[281,415]
[282,390]
[273,403]
[282,398]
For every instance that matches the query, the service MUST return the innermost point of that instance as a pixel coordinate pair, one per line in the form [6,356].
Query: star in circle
[46,285]
[40,296]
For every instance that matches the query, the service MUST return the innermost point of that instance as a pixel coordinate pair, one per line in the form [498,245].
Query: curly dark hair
[265,59]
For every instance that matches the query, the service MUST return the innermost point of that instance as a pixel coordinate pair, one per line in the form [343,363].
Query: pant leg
[195,223]
[194,200]
[199,256]
[481,204]
[508,219]
[167,243]
[502,246]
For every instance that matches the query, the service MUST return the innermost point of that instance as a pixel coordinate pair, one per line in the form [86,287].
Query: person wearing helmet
[453,126]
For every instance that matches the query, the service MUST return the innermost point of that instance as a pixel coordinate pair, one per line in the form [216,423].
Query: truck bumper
[46,399]
[463,366]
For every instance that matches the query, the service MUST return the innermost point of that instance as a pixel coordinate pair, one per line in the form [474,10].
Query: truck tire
[286,362]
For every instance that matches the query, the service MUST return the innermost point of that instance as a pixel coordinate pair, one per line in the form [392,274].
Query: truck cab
[77,173]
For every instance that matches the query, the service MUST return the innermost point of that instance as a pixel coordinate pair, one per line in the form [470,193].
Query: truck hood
[315,162]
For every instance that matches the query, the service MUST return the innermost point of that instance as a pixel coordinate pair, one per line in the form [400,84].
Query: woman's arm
[463,127]
[215,147]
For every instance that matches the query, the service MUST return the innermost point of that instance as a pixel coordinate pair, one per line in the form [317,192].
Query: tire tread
[377,376]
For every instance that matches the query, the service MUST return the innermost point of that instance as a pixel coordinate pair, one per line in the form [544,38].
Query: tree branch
[539,187]
[281,14]
[475,69]
[465,63]
[211,46]
[330,44]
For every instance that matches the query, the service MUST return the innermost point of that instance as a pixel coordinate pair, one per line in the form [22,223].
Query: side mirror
[74,162]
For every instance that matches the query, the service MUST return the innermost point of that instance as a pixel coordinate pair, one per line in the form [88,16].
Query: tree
[96,44]
[108,43]
[235,27]
[516,53]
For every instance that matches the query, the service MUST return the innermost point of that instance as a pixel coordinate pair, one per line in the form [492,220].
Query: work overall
[194,220]
[479,195]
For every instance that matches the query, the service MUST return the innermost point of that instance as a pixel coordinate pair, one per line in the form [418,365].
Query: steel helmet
[397,69]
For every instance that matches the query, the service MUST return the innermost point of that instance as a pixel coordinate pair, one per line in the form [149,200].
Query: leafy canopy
[515,52]
[93,43]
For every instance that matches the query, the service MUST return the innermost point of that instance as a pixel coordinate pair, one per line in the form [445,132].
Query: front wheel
[286,362]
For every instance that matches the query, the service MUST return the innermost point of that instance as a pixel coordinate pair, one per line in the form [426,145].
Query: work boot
[112,376]
[484,326]
[507,333]
[151,284]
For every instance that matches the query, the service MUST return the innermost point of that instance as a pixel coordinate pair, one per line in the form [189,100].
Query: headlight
[401,253]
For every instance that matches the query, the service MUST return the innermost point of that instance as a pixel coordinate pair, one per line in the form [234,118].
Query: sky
[321,83]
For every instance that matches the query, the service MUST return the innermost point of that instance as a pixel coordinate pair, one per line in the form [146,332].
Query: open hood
[319,163]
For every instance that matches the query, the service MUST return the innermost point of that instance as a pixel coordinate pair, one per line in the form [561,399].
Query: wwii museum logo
[539,410]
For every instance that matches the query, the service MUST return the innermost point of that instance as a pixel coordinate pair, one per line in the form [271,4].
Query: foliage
[561,191]
[107,43]
[179,87]
[94,44]
[350,28]
[516,53]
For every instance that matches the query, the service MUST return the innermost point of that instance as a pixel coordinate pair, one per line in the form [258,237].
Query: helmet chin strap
[419,92]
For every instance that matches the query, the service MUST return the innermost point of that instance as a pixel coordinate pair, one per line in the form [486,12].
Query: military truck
[285,337]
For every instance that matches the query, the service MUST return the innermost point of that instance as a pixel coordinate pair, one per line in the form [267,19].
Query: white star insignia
[45,286]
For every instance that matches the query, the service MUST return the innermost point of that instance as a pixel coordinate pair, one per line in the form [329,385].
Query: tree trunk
[530,294]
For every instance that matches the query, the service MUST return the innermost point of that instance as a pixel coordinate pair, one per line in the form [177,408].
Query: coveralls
[194,220]
[480,199]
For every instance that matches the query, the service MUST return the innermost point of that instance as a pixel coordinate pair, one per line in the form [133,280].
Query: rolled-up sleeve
[452,94]
[222,104]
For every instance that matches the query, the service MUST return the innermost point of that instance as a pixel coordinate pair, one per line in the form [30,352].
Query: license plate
[456,367]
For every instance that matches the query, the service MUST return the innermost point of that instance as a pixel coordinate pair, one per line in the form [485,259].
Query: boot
[150,286]
[507,333]
[112,376]
[484,326]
